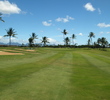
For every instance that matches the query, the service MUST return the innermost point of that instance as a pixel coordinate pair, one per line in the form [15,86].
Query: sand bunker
[30,50]
[19,49]
[8,53]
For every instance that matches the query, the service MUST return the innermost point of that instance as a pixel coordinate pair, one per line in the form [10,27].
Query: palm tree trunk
[9,40]
[64,38]
[73,41]
[44,44]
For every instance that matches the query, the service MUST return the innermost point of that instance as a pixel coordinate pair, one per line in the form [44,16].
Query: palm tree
[34,36]
[91,34]
[98,42]
[45,40]
[64,33]
[73,37]
[10,33]
[30,41]
[67,40]
[88,42]
[1,18]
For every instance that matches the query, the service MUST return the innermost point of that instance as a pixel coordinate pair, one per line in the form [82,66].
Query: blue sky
[50,17]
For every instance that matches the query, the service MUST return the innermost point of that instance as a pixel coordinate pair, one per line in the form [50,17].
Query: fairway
[55,74]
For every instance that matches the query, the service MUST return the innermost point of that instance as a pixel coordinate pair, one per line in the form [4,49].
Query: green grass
[55,74]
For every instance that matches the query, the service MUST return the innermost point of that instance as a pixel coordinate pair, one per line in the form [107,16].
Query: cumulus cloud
[53,41]
[89,7]
[4,40]
[9,8]
[66,19]
[81,34]
[103,25]
[0,37]
[45,23]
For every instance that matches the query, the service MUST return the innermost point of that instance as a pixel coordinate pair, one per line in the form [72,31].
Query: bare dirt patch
[19,49]
[7,50]
[8,53]
[30,50]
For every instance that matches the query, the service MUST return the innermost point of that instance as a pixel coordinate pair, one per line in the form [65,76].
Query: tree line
[100,43]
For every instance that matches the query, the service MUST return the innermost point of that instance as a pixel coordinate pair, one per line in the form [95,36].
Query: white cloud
[4,40]
[103,25]
[0,37]
[9,8]
[81,34]
[14,40]
[53,41]
[89,7]
[108,32]
[67,19]
[45,23]
[99,11]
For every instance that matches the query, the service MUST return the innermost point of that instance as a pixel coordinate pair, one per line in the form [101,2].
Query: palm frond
[5,35]
[1,18]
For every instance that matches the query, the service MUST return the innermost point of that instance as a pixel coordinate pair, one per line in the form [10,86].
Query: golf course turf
[55,74]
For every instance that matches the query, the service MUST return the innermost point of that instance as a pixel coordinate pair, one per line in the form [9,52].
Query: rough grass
[55,74]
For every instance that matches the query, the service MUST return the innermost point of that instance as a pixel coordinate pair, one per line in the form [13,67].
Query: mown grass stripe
[50,83]
[10,61]
[89,82]
[101,58]
[11,75]
[101,64]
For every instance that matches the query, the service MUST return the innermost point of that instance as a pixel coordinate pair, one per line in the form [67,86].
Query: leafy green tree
[10,33]
[45,40]
[67,40]
[99,41]
[104,42]
[91,35]
[109,45]
[1,18]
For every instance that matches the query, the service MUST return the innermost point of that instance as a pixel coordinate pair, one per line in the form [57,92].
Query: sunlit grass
[55,74]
